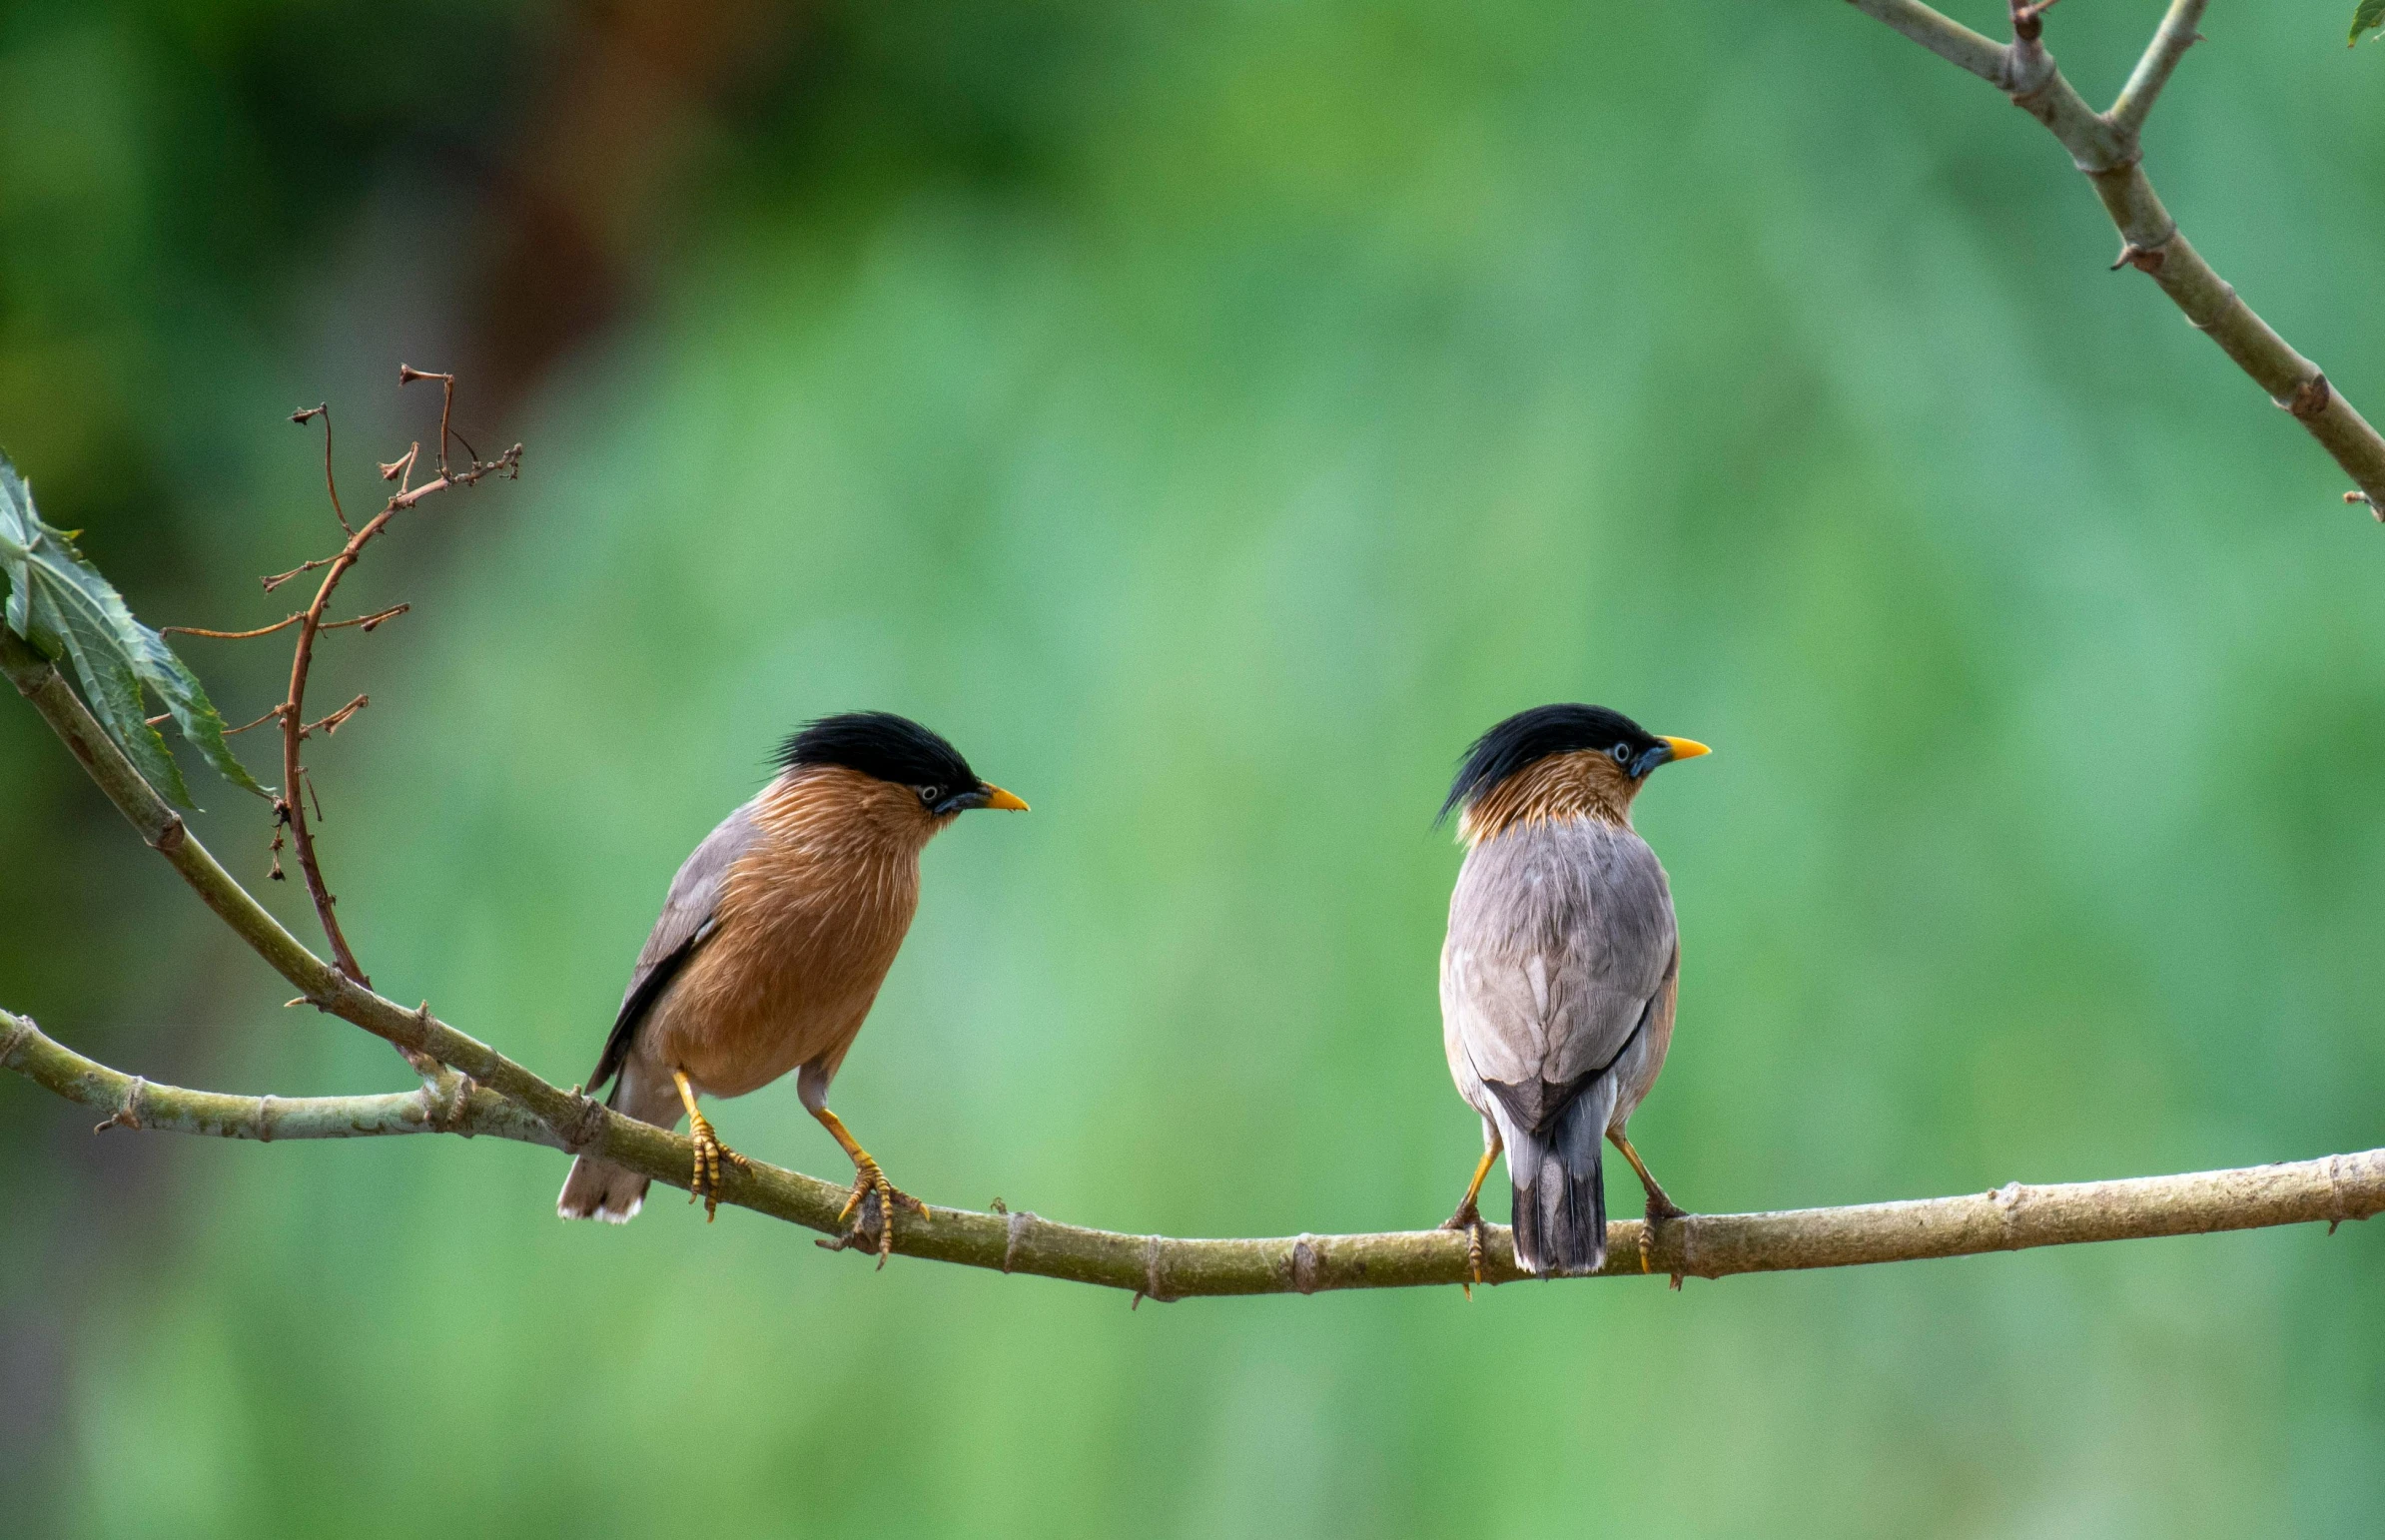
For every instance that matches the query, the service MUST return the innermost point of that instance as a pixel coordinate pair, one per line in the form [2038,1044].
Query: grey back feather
[1560,935]
[1561,938]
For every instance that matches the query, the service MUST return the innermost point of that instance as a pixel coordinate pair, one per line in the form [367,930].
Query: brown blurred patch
[590,192]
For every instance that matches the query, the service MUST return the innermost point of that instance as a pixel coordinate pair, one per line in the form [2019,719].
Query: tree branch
[1941,35]
[2105,147]
[453,1106]
[575,1120]
[2012,1218]
[2171,39]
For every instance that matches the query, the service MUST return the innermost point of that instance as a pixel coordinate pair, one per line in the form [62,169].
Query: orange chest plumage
[809,921]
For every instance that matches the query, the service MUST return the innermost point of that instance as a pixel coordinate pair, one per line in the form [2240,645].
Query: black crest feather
[881,744]
[1528,737]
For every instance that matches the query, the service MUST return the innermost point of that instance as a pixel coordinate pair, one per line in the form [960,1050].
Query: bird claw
[1469,1219]
[1660,1208]
[710,1156]
[870,1186]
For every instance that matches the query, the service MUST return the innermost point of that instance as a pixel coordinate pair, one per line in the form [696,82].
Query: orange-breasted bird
[772,944]
[1559,971]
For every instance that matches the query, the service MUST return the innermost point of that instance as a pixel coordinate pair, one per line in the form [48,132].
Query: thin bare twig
[304,567]
[292,711]
[311,624]
[331,482]
[407,374]
[331,725]
[163,719]
[369,622]
[194,630]
[2106,148]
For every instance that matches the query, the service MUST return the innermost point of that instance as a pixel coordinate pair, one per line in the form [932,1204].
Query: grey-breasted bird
[773,942]
[1558,977]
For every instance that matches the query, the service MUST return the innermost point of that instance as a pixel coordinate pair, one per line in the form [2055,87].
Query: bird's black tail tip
[1561,1218]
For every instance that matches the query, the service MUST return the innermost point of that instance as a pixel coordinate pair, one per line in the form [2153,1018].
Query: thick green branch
[2105,146]
[455,1106]
[2012,1218]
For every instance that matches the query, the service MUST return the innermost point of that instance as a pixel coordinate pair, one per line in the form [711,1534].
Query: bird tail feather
[599,1189]
[1560,1213]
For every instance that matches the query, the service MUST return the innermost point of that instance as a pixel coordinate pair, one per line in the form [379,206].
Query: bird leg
[709,1151]
[1660,1206]
[868,1181]
[1469,1219]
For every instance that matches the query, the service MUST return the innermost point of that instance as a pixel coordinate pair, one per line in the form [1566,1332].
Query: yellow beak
[1683,748]
[996,797]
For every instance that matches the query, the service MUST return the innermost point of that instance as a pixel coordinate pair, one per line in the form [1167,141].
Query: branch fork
[2106,148]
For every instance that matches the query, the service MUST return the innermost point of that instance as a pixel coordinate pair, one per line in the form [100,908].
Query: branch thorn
[2144,258]
[2310,397]
[127,1115]
[2029,19]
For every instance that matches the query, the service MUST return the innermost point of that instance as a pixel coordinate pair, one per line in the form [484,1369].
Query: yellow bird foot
[1469,1219]
[870,1185]
[1660,1208]
[710,1156]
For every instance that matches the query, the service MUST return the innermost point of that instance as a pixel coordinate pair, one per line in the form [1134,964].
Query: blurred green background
[1211,417]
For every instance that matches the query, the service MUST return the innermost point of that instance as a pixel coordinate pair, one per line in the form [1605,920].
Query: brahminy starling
[1559,971]
[773,942]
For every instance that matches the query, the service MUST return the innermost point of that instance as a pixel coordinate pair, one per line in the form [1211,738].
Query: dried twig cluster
[298,790]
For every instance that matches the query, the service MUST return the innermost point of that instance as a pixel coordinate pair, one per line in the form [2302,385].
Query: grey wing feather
[686,924]
[1560,938]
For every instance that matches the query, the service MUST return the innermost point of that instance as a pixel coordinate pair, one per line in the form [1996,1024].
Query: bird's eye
[1621,753]
[931,795]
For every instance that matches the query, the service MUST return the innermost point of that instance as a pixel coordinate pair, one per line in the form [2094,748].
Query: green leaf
[60,603]
[2369,17]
